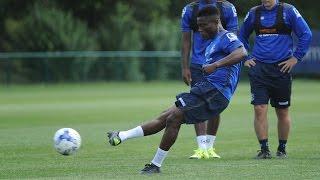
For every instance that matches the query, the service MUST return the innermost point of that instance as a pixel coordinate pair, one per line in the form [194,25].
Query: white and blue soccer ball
[67,141]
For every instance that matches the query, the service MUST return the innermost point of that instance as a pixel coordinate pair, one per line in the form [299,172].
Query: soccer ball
[67,141]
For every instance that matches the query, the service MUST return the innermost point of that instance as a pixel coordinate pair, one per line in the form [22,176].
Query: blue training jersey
[225,79]
[272,48]
[199,44]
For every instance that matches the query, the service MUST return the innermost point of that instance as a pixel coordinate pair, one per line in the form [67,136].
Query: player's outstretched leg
[117,137]
[173,123]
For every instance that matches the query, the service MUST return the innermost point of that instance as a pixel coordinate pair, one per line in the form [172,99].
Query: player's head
[208,20]
[269,3]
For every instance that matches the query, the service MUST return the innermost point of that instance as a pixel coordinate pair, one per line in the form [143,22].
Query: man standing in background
[192,73]
[270,65]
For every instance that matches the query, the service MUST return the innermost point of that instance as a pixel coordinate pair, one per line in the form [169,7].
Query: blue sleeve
[301,30]
[231,19]
[246,30]
[230,42]
[186,19]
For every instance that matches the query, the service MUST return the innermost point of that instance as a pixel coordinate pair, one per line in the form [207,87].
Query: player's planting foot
[114,138]
[281,154]
[150,169]
[263,154]
[212,153]
[200,154]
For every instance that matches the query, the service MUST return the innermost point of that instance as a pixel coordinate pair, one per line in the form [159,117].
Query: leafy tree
[50,29]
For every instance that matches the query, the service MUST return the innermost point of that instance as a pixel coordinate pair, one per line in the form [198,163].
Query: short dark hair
[208,11]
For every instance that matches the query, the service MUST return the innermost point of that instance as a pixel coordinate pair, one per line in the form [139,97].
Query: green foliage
[102,25]
[50,29]
[121,32]
[162,34]
[124,34]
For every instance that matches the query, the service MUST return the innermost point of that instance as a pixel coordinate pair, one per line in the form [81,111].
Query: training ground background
[30,115]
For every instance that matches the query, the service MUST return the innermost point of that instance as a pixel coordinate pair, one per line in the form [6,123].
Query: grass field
[30,115]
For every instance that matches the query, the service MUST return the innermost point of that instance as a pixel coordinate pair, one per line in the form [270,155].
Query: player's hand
[250,63]
[186,75]
[288,65]
[209,68]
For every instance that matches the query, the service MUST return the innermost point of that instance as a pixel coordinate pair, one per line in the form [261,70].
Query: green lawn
[30,115]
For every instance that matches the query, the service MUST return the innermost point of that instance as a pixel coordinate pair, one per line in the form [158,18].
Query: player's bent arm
[185,49]
[233,58]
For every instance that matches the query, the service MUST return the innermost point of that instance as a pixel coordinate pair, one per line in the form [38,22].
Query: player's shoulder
[253,9]
[291,10]
[228,8]
[226,3]
[229,36]
[189,7]
[287,5]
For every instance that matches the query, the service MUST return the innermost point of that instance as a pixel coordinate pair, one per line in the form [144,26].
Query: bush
[121,32]
[50,29]
[163,34]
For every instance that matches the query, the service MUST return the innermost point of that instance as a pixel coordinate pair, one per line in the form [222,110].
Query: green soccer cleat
[150,169]
[200,154]
[114,138]
[212,153]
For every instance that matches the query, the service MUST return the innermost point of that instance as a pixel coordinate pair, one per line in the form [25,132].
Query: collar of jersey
[219,34]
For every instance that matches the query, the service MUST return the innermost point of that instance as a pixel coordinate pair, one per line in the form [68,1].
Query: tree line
[135,25]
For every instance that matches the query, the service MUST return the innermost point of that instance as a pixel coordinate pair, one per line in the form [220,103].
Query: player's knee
[173,120]
[282,111]
[283,114]
[260,113]
[259,109]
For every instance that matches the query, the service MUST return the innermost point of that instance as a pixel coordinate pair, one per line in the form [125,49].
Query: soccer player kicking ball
[206,100]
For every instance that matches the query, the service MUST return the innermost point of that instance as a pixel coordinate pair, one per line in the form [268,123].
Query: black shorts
[196,74]
[203,103]
[269,83]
